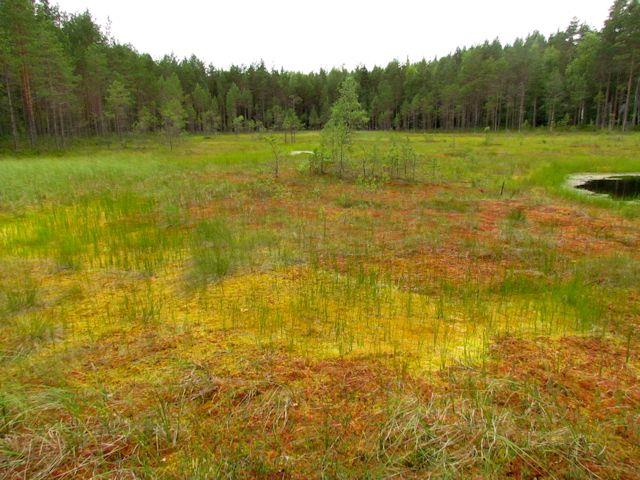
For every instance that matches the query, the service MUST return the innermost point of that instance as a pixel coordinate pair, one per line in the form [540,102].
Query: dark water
[621,187]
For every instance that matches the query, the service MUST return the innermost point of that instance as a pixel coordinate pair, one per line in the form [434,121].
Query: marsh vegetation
[377,273]
[187,314]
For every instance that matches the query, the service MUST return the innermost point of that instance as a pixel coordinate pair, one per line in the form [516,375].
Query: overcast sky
[303,35]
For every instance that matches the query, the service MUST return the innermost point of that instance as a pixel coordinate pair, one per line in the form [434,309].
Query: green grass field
[183,314]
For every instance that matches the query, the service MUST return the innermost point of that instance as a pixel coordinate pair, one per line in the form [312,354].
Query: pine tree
[18,22]
[314,119]
[57,75]
[213,118]
[201,104]
[233,95]
[147,121]
[118,104]
[171,109]
[291,124]
[6,69]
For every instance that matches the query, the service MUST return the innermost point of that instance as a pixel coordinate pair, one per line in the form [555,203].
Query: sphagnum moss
[182,315]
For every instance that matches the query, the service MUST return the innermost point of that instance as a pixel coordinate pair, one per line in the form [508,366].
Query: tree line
[62,75]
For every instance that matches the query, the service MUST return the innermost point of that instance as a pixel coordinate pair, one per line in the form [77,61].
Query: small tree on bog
[276,151]
[347,115]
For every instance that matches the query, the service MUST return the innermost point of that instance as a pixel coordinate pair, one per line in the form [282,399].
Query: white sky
[307,35]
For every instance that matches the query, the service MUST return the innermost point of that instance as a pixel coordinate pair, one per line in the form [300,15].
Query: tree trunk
[634,122]
[607,105]
[14,128]
[55,125]
[628,100]
[612,111]
[53,110]
[61,121]
[614,108]
[28,104]
[521,114]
